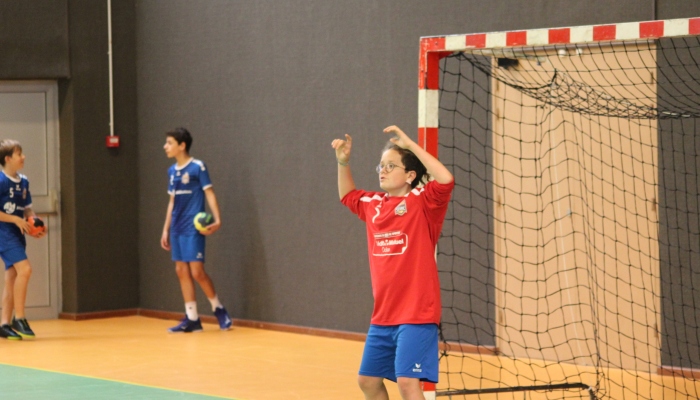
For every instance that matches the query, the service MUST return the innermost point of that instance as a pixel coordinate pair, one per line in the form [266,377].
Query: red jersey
[402,235]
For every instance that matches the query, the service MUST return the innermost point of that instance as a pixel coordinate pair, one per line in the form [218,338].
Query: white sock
[215,303]
[191,310]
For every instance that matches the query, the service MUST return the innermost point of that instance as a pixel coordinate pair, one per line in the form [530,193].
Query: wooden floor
[251,364]
[242,363]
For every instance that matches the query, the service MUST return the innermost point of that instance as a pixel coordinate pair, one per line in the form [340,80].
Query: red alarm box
[112,141]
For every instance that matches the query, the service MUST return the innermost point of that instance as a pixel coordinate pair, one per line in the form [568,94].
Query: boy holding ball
[188,186]
[16,202]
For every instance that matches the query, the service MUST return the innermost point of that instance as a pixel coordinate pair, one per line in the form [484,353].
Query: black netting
[570,255]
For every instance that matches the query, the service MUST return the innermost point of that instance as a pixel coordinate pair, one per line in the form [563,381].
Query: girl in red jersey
[403,227]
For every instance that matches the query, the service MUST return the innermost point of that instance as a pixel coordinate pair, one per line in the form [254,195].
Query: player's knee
[199,274]
[10,280]
[409,388]
[23,269]
[369,384]
[25,272]
[182,269]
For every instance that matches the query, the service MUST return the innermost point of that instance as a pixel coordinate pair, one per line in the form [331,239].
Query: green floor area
[33,384]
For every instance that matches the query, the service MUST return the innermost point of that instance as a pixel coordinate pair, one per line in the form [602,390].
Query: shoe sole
[195,331]
[13,338]
[225,328]
[25,336]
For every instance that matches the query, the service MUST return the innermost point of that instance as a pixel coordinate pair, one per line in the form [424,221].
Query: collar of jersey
[388,196]
[186,164]
[15,180]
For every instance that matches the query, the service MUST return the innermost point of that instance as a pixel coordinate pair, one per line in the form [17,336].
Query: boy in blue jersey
[188,186]
[16,204]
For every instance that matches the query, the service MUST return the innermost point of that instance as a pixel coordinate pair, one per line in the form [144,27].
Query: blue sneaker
[186,326]
[224,320]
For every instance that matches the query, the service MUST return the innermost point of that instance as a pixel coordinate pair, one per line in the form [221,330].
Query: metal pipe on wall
[109,53]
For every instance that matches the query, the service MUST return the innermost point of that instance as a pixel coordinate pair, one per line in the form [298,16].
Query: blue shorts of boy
[12,256]
[187,248]
[409,350]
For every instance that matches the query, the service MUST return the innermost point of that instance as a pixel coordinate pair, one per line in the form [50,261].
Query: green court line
[34,384]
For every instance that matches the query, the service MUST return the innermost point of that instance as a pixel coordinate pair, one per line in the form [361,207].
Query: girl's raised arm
[342,153]
[432,164]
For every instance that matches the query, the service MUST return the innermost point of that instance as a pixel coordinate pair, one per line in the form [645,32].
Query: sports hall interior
[264,86]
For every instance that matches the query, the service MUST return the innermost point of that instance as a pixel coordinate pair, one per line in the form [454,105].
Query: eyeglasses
[388,168]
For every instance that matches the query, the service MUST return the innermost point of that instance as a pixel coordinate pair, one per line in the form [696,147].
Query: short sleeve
[204,179]
[28,200]
[171,184]
[4,188]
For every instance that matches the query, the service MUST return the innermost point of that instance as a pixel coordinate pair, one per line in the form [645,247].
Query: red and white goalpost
[569,250]
[433,48]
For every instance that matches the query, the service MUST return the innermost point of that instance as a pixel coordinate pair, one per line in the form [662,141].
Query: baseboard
[301,330]
[99,314]
[688,373]
[467,348]
[212,320]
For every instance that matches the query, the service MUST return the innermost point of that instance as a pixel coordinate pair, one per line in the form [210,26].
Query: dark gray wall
[679,211]
[33,39]
[99,185]
[265,86]
[466,249]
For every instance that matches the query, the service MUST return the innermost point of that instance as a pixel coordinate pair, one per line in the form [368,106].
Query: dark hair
[7,149]
[411,163]
[181,135]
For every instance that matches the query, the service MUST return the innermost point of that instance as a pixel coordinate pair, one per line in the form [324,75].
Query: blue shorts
[187,247]
[407,350]
[12,256]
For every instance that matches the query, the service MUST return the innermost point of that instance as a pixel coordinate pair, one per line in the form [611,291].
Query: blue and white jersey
[14,198]
[187,183]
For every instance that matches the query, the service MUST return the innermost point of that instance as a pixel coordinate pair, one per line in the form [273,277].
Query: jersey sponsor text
[390,243]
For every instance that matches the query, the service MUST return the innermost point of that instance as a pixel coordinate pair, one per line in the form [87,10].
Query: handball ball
[36,226]
[203,220]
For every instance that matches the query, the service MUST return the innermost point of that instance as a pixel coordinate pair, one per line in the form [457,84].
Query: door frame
[47,205]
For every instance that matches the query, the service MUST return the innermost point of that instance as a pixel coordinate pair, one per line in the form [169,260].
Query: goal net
[570,255]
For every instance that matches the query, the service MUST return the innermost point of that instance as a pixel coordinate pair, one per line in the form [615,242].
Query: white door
[29,113]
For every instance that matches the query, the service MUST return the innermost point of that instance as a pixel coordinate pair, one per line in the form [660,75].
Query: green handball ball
[203,220]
